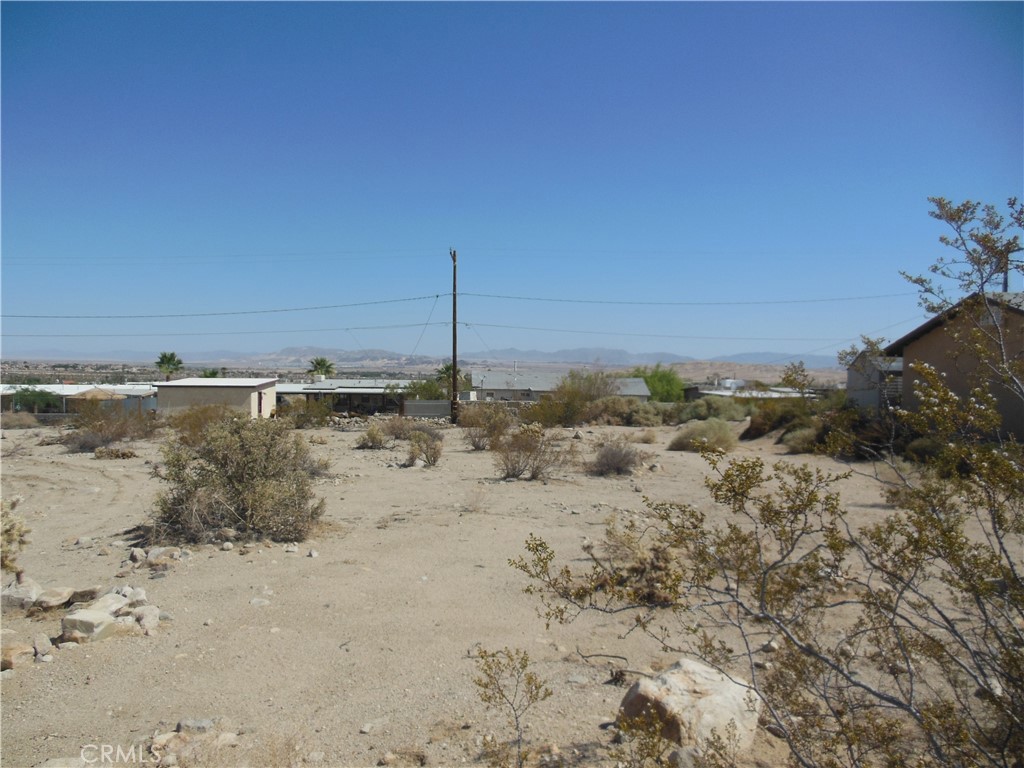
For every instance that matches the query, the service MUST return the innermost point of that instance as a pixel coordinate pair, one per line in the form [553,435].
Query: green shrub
[923,449]
[250,475]
[615,458]
[528,451]
[306,414]
[710,433]
[568,403]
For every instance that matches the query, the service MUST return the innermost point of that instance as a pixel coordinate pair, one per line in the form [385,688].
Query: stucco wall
[940,350]
[245,399]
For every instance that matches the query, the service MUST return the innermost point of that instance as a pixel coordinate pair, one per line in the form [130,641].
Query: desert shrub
[15,536]
[374,439]
[506,683]
[191,423]
[615,458]
[399,427]
[30,399]
[789,413]
[250,475]
[725,408]
[109,452]
[568,403]
[423,445]
[306,414]
[610,411]
[648,437]
[97,425]
[699,435]
[801,440]
[484,424]
[529,451]
[432,431]
[664,384]
[923,449]
[18,421]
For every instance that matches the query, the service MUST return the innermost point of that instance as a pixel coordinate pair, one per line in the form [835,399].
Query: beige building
[942,342]
[253,396]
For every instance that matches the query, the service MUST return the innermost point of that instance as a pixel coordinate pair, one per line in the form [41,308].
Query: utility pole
[455,341]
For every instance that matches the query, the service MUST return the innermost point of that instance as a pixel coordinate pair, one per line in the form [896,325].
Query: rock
[83,542]
[227,534]
[110,603]
[67,646]
[42,644]
[290,548]
[6,674]
[227,546]
[87,626]
[770,647]
[195,725]
[138,555]
[259,602]
[147,616]
[44,659]
[690,699]
[312,553]
[163,556]
[20,593]
[366,728]
[15,654]
[54,597]
[389,758]
[86,594]
[775,731]
[172,741]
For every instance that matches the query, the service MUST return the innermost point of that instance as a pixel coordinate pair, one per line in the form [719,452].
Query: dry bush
[529,451]
[108,452]
[98,424]
[425,445]
[485,424]
[15,536]
[306,414]
[399,427]
[701,435]
[647,437]
[374,439]
[191,423]
[801,440]
[615,458]
[20,420]
[250,475]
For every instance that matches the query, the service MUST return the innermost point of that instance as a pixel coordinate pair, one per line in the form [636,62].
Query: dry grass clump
[251,475]
[647,437]
[20,420]
[306,414]
[191,423]
[374,439]
[697,435]
[110,452]
[615,458]
[425,445]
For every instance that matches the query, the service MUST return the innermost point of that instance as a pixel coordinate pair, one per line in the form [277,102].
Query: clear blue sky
[686,160]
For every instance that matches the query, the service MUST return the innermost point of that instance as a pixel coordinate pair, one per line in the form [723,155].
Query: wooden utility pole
[455,341]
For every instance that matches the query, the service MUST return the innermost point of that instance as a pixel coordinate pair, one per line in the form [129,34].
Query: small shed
[875,382]
[253,396]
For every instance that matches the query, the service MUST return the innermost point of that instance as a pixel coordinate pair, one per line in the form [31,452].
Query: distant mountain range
[299,357]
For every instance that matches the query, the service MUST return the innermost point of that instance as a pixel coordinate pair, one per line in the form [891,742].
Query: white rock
[20,593]
[691,699]
[86,626]
[110,603]
[227,546]
[54,597]
[312,553]
[148,616]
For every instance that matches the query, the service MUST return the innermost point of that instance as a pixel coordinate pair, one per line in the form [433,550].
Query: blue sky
[701,179]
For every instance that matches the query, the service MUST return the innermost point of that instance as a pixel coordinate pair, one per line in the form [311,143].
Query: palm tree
[210,373]
[169,363]
[321,366]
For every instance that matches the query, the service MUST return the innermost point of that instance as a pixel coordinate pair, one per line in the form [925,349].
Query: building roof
[548,382]
[1014,301]
[356,386]
[198,381]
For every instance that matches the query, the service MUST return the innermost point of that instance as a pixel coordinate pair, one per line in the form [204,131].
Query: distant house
[992,318]
[257,397]
[356,395]
[521,387]
[875,382]
[131,397]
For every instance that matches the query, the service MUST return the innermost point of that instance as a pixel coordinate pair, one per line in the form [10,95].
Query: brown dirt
[378,630]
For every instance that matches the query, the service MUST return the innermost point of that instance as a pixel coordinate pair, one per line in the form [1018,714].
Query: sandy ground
[364,650]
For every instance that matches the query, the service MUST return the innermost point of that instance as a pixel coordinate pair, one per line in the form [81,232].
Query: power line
[658,335]
[211,333]
[221,314]
[689,303]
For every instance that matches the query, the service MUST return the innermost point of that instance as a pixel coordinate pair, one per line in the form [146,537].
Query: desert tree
[168,364]
[898,642]
[321,366]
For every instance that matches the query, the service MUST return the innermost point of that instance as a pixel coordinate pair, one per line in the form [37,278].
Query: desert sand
[359,655]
